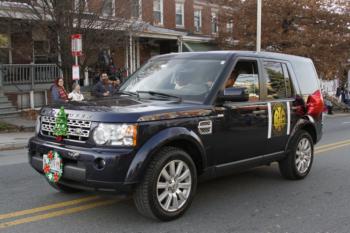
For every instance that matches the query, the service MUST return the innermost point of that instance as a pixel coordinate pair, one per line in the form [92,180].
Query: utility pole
[258,26]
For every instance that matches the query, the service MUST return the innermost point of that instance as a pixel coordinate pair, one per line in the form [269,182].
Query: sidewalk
[12,141]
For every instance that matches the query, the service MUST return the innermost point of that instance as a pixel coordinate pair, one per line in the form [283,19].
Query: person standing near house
[103,88]
[58,92]
[76,94]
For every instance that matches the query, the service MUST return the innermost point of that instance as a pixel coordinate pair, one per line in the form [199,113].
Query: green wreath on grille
[56,175]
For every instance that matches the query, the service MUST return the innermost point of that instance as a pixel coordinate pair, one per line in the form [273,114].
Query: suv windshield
[189,80]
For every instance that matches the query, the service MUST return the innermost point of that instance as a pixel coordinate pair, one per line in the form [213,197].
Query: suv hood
[127,110]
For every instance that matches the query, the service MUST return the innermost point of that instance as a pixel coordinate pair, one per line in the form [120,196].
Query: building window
[180,16]
[198,20]
[81,6]
[158,12]
[108,8]
[214,23]
[41,51]
[229,26]
[4,49]
[136,9]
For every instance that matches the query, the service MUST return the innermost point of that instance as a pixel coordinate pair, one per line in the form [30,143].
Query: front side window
[245,75]
[198,20]
[276,83]
[158,12]
[180,15]
[189,79]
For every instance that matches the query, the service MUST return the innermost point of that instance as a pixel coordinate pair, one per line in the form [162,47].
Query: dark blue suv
[182,117]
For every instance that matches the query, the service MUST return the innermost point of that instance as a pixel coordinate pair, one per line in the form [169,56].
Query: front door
[243,126]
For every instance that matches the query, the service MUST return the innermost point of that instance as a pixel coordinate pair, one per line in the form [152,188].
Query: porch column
[180,44]
[1,83]
[131,54]
[126,57]
[138,53]
[134,66]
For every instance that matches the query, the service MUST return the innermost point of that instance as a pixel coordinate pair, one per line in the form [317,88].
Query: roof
[224,54]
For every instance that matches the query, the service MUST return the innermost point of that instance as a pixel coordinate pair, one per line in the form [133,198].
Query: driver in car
[182,81]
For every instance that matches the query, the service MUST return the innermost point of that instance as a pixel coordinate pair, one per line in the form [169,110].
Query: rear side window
[278,83]
[306,76]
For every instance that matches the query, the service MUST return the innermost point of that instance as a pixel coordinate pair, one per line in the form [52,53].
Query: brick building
[168,26]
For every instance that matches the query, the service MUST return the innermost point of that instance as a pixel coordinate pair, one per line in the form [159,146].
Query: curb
[13,146]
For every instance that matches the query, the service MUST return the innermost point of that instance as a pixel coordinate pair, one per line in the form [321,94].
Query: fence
[27,74]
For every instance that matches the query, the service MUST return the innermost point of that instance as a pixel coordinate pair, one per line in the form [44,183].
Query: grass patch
[5,127]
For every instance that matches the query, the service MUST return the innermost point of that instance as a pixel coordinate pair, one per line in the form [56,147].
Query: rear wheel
[168,187]
[299,160]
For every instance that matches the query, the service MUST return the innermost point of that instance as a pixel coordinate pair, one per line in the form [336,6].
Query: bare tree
[101,25]
[319,29]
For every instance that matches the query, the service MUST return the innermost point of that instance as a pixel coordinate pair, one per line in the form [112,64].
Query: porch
[24,86]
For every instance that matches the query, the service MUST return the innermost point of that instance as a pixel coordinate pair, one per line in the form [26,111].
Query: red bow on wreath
[46,169]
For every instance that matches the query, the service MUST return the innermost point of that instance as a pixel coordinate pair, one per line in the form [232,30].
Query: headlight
[37,125]
[115,134]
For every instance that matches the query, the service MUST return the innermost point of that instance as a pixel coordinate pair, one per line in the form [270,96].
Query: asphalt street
[258,200]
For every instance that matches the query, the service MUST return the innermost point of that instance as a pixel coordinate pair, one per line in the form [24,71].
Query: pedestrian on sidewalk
[58,92]
[76,94]
[329,107]
[104,87]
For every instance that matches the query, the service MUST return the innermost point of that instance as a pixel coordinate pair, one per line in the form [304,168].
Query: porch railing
[27,74]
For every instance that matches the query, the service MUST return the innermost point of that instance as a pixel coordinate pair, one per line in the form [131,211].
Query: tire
[298,162]
[152,195]
[63,188]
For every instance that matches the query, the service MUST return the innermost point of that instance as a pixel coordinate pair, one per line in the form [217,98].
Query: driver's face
[181,81]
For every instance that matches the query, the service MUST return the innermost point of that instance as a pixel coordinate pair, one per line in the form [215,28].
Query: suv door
[280,98]
[243,126]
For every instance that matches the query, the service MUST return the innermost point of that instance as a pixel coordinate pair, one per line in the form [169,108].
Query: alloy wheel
[174,185]
[303,155]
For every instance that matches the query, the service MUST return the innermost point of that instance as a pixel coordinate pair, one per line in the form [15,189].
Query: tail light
[315,104]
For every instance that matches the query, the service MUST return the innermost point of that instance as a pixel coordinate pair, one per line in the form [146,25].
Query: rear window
[306,76]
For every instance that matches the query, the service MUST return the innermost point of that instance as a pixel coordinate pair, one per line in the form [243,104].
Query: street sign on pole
[77,50]
[258,26]
[77,45]
[75,72]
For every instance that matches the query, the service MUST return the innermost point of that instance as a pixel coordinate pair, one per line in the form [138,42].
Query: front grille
[78,130]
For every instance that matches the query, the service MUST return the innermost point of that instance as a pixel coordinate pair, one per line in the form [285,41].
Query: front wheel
[298,162]
[168,187]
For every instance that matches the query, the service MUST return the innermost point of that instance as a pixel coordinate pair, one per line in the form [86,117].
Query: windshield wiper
[155,93]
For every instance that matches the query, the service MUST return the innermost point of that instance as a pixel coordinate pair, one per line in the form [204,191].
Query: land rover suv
[182,118]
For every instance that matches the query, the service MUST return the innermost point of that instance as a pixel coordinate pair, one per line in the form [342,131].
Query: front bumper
[79,165]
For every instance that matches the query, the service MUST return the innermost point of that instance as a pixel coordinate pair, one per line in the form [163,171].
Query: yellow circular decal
[279,117]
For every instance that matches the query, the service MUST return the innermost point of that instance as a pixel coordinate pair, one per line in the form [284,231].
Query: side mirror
[234,94]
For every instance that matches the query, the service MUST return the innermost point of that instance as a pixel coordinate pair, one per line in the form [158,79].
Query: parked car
[181,118]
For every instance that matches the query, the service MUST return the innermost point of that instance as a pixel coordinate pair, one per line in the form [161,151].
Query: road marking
[345,142]
[56,213]
[48,207]
[72,210]
[317,151]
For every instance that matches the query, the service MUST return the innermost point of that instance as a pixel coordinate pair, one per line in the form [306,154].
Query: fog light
[100,163]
